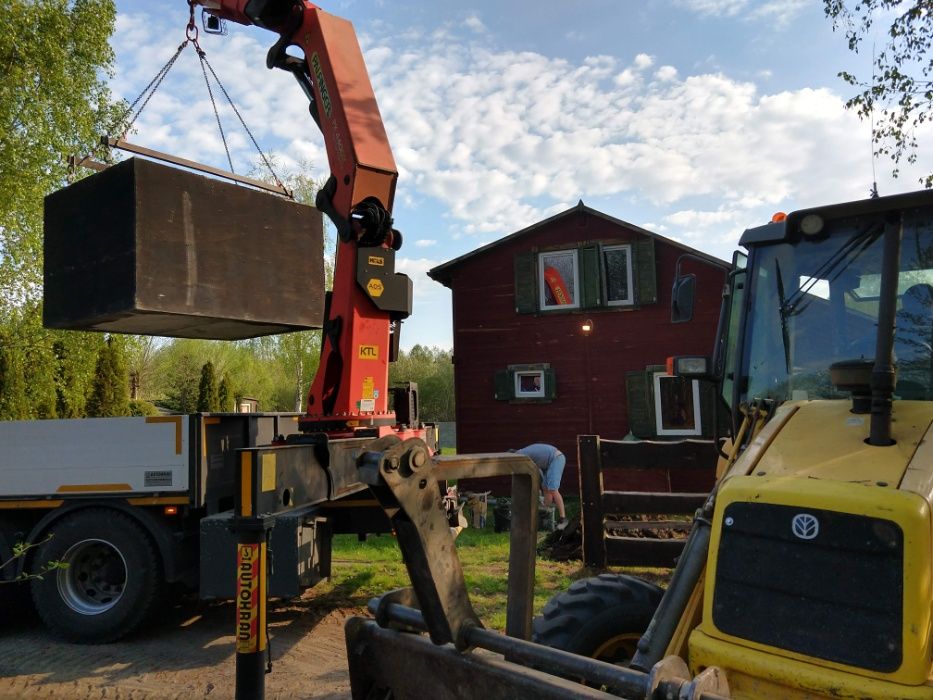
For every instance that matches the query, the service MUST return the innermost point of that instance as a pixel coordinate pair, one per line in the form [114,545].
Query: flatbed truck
[134,506]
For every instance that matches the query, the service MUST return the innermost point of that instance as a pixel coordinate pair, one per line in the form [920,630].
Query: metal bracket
[193,165]
[408,483]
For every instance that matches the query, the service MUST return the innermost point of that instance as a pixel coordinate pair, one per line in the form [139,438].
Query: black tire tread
[129,614]
[566,617]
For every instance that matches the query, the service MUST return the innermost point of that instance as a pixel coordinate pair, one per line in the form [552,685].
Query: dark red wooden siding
[489,335]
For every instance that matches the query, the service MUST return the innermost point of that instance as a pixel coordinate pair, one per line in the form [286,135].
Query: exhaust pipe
[883,375]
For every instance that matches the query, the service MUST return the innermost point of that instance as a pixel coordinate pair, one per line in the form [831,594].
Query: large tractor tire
[601,617]
[112,580]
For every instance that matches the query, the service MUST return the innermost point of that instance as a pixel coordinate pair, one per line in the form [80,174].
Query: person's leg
[552,477]
[553,495]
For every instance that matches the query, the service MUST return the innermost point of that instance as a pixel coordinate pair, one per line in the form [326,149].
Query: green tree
[182,379]
[101,401]
[75,362]
[31,365]
[117,345]
[110,391]
[432,369]
[226,394]
[298,355]
[141,351]
[13,404]
[54,102]
[899,95]
[208,396]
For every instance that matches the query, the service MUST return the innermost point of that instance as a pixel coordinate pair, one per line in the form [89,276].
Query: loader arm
[369,298]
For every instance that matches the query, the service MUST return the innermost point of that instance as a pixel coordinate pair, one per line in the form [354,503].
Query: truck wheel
[110,584]
[601,617]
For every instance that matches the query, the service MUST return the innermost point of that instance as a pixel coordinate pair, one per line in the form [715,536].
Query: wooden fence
[678,476]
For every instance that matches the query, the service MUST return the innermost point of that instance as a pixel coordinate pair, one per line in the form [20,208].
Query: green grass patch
[363,570]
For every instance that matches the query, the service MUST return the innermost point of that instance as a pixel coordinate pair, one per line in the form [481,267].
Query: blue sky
[692,118]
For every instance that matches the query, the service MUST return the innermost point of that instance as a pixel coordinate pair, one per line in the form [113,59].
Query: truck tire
[112,580]
[601,617]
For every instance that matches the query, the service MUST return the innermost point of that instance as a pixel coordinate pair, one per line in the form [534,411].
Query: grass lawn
[362,570]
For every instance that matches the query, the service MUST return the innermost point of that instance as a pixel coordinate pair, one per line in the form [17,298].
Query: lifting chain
[191,37]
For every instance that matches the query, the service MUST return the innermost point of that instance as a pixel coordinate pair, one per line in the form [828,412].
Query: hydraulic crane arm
[369,298]
[350,389]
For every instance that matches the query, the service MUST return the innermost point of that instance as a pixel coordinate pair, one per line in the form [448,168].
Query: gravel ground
[186,653]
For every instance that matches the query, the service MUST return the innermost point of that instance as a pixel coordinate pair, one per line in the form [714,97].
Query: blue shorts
[554,473]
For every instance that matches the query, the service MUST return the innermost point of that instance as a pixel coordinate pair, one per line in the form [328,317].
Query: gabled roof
[441,273]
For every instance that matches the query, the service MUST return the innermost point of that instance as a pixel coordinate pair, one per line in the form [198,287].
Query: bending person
[550,461]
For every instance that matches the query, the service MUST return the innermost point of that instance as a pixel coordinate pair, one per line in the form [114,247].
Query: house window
[557,280]
[617,274]
[590,275]
[529,384]
[676,405]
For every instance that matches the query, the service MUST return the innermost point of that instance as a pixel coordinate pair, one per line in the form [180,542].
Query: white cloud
[179,118]
[475,24]
[425,243]
[626,77]
[643,61]
[779,12]
[716,8]
[425,290]
[501,139]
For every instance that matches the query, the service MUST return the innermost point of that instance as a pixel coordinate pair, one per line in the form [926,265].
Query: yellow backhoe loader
[807,573]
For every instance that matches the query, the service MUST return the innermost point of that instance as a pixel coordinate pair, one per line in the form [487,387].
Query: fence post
[591,500]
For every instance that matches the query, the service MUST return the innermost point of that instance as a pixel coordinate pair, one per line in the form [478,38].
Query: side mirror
[682,298]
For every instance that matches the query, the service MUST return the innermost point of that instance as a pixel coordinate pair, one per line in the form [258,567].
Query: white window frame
[658,423]
[605,275]
[542,303]
[539,393]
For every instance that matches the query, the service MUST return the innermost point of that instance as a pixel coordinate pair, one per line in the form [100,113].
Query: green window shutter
[505,385]
[645,274]
[550,384]
[707,408]
[640,397]
[526,286]
[589,271]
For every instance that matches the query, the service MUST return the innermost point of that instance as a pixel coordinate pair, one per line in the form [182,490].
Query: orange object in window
[555,283]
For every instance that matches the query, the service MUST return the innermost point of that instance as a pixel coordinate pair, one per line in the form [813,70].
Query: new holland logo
[805,526]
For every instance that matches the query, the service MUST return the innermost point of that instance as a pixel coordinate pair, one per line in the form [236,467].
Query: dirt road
[186,653]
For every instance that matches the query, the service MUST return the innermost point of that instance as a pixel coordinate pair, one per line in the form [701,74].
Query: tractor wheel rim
[618,649]
[95,577]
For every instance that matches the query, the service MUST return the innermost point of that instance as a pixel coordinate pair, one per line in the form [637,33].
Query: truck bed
[190,458]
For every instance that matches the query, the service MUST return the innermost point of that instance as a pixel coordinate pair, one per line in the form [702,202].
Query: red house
[563,329]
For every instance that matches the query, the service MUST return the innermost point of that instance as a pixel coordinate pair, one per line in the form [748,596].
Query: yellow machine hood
[825,440]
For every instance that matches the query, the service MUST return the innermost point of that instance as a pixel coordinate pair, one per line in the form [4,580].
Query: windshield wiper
[785,311]
[852,249]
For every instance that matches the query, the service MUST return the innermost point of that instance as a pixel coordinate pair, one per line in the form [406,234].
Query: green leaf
[901,64]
